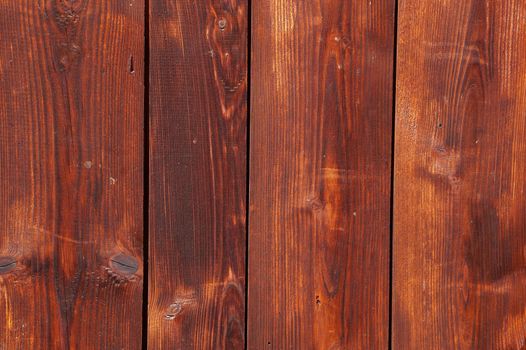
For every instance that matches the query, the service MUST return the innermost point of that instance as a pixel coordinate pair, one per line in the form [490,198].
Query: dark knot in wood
[222,24]
[124,264]
[7,264]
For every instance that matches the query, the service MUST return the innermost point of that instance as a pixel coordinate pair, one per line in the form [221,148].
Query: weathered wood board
[71,174]
[459,223]
[320,164]
[197,221]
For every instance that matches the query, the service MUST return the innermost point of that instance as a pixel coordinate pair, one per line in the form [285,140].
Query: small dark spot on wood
[124,264]
[439,125]
[7,264]
[131,66]
[222,24]
[318,301]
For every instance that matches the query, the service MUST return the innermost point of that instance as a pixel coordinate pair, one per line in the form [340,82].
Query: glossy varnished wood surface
[71,146]
[198,89]
[321,115]
[459,226]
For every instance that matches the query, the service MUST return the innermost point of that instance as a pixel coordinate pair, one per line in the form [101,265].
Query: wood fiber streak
[198,89]
[71,160]
[321,115]
[460,228]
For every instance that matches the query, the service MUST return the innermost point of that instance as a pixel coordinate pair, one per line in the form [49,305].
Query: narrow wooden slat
[71,160]
[198,88]
[321,120]
[460,232]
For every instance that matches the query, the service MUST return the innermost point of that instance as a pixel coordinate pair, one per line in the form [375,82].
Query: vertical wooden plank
[321,120]
[460,238]
[198,88]
[71,160]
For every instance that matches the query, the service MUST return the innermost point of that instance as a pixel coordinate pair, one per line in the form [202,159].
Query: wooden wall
[272,174]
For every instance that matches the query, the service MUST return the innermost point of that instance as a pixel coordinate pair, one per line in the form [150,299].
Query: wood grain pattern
[198,89]
[321,118]
[460,239]
[71,160]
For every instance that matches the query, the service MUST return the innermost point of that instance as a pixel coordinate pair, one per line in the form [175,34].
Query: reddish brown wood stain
[459,238]
[198,111]
[71,120]
[320,174]
[72,167]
